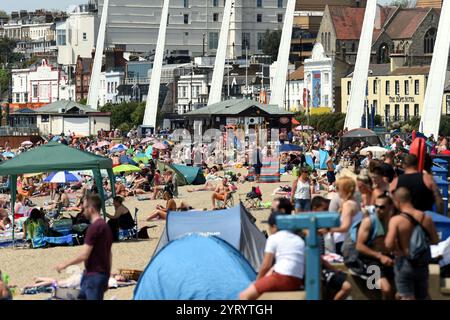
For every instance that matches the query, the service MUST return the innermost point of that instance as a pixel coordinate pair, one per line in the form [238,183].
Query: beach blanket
[144,197]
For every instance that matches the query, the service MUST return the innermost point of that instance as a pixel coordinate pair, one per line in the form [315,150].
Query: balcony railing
[19,131]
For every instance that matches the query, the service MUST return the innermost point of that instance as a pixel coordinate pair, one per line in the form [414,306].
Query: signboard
[316,89]
[230,120]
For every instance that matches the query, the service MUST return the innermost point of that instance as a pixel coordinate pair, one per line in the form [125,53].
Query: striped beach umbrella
[63,177]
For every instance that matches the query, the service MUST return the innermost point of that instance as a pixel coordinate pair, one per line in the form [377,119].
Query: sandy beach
[22,265]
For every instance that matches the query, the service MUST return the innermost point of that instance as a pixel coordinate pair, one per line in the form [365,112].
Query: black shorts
[331,177]
[333,279]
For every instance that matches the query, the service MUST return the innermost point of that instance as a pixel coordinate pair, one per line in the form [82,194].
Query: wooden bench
[283,295]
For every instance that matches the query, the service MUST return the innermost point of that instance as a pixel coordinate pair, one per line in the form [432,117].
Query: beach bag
[419,244]
[352,259]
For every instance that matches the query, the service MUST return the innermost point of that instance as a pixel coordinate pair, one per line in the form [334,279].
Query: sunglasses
[379,207]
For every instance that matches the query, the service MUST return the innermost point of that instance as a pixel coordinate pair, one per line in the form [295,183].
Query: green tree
[4,81]
[271,42]
[327,122]
[401,3]
[7,54]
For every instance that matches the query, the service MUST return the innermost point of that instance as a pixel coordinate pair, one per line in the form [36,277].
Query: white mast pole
[279,79]
[94,85]
[215,95]
[151,105]
[356,104]
[432,105]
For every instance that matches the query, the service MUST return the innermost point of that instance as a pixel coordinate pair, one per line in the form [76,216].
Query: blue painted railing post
[312,221]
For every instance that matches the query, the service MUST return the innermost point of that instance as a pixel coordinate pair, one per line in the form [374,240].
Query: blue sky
[11,5]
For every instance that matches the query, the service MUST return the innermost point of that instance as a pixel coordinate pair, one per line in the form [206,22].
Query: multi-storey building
[193,26]
[38,86]
[83,70]
[77,35]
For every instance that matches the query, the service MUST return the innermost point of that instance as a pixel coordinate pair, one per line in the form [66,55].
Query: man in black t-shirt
[96,253]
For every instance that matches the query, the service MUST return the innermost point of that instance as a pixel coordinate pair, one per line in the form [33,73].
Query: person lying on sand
[161,212]
[44,284]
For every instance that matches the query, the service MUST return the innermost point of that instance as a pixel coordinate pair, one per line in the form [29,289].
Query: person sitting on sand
[167,178]
[35,226]
[221,193]
[283,265]
[120,189]
[122,218]
[161,212]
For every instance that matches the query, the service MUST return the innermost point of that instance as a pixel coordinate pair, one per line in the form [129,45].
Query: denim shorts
[302,204]
[93,286]
[411,281]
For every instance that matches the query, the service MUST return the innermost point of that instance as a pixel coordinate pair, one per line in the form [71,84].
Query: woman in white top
[350,211]
[301,192]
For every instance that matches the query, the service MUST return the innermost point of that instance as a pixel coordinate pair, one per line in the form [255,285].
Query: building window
[416,87]
[61,37]
[375,86]
[349,87]
[186,3]
[25,97]
[260,40]
[397,87]
[45,118]
[215,17]
[326,78]
[326,100]
[35,91]
[388,88]
[280,17]
[428,40]
[406,112]
[259,17]
[213,40]
[375,106]
[84,36]
[245,40]
[259,3]
[447,104]
[406,87]
[416,110]
[280,3]
[396,112]
[215,3]
[17,97]
[387,113]
[186,18]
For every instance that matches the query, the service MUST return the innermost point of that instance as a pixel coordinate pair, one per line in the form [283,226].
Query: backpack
[351,256]
[419,243]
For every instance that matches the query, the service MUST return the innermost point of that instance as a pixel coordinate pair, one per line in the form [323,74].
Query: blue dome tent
[234,225]
[195,267]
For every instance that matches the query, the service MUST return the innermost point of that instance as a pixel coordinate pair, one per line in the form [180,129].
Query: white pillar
[151,105]
[215,95]
[355,108]
[432,105]
[94,84]
[279,79]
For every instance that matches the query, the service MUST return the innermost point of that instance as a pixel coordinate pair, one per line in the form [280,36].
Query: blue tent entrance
[234,225]
[195,268]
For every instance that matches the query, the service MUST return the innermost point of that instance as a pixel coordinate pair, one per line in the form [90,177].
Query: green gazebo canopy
[55,156]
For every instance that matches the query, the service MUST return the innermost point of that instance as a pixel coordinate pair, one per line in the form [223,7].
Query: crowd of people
[382,219]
